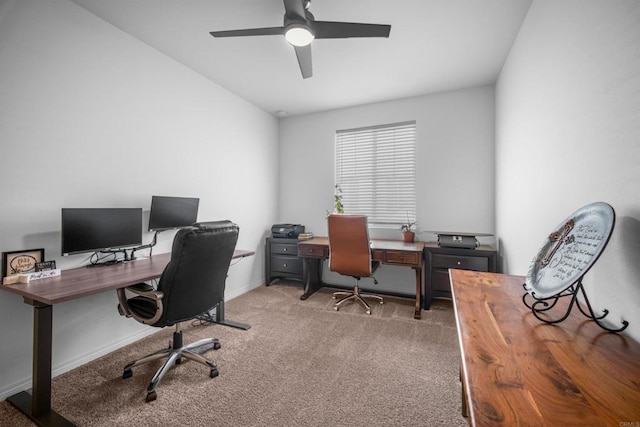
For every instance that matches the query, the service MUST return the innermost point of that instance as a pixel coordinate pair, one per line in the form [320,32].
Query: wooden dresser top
[522,371]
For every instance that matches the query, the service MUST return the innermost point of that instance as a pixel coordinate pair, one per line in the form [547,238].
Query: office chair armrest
[143,290]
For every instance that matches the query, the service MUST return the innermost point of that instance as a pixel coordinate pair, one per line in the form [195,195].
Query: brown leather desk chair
[350,255]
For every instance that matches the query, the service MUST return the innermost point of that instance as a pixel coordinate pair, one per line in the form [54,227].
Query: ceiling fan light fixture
[299,34]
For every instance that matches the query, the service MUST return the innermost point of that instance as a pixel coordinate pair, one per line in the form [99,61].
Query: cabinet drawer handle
[285,249]
[284,265]
[458,262]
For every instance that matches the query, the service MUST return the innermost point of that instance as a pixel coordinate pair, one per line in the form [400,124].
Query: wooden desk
[71,284]
[518,370]
[392,252]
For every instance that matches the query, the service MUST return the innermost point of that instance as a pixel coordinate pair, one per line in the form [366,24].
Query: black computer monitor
[97,229]
[172,212]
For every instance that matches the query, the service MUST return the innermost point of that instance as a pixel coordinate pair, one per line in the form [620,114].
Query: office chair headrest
[215,225]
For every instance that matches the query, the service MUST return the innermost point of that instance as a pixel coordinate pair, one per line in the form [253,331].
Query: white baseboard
[237,292]
[25,384]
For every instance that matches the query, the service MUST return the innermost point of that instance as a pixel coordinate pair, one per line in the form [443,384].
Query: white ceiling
[434,46]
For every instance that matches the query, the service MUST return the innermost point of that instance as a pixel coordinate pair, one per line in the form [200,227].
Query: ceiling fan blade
[304,60]
[270,31]
[294,10]
[341,30]
[298,17]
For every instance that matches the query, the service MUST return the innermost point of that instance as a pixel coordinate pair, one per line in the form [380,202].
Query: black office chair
[350,255]
[192,283]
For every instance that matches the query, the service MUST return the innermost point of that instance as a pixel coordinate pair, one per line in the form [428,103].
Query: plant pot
[408,236]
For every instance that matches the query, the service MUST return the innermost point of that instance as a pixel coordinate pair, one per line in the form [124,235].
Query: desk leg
[417,314]
[38,405]
[465,407]
[312,273]
[220,320]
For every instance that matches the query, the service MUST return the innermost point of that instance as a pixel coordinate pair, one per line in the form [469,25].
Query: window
[376,172]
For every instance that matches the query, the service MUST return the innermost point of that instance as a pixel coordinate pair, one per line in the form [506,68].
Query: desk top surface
[521,371]
[83,281]
[397,245]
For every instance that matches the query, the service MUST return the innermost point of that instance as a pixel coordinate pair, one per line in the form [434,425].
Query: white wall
[568,134]
[91,117]
[455,155]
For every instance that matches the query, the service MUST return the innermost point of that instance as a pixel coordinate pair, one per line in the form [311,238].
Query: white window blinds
[376,172]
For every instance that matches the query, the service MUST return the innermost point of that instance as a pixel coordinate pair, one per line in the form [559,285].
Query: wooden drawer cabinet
[461,262]
[306,249]
[285,264]
[282,260]
[396,257]
[285,248]
[440,260]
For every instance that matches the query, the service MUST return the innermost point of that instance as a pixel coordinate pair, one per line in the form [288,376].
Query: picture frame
[17,262]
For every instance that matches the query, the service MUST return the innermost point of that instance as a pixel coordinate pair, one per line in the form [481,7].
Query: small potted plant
[408,230]
[337,200]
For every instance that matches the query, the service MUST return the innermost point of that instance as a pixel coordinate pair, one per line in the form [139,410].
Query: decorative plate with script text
[571,250]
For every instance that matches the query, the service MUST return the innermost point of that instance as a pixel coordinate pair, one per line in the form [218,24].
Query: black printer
[287,231]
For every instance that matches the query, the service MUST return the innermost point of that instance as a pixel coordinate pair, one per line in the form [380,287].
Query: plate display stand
[559,267]
[542,305]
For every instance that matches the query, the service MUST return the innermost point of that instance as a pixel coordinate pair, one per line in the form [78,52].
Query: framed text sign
[18,262]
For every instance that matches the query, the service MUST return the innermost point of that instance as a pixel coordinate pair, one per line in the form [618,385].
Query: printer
[286,231]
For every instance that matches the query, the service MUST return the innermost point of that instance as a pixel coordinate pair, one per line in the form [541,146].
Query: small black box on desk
[457,241]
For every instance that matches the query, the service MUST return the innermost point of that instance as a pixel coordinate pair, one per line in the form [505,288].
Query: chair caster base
[214,373]
[151,396]
[127,374]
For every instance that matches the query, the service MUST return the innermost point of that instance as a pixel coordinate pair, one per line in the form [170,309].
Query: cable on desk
[96,259]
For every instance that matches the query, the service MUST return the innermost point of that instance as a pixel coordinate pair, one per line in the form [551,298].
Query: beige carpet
[301,364]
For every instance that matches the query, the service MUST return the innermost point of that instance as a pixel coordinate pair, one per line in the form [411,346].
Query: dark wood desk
[392,252]
[71,284]
[518,370]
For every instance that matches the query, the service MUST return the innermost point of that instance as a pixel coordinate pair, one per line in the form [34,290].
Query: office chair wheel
[128,373]
[368,311]
[151,396]
[214,373]
[336,308]
[216,345]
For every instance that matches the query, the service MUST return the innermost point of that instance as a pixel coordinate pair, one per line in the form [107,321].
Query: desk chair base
[357,296]
[173,354]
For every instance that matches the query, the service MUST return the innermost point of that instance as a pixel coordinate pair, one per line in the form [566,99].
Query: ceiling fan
[300,28]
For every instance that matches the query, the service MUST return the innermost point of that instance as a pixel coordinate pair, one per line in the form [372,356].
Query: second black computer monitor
[172,212]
